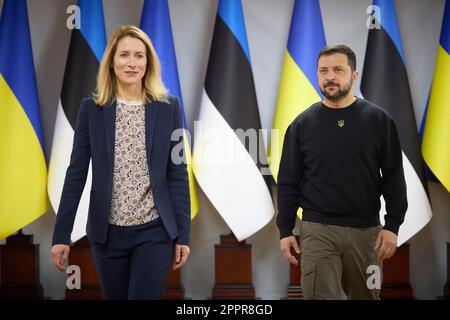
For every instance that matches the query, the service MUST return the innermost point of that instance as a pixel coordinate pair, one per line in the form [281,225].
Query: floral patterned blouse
[132,196]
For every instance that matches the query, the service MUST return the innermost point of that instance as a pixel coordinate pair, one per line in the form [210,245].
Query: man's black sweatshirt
[335,165]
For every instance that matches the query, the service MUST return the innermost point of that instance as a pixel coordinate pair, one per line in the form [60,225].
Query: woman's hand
[180,256]
[60,254]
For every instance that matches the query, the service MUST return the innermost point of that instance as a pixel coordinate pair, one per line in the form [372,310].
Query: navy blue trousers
[135,261]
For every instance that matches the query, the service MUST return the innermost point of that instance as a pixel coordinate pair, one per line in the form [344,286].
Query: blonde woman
[139,213]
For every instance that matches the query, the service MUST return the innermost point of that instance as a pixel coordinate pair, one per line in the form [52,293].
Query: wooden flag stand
[233,269]
[396,276]
[80,255]
[294,289]
[174,289]
[19,268]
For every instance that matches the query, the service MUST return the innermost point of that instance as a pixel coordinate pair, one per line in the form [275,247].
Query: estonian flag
[85,52]
[225,166]
[385,83]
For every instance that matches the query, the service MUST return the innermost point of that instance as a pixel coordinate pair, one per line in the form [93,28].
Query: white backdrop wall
[267,23]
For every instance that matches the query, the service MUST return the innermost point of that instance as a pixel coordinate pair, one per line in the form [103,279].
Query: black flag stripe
[385,83]
[230,86]
[79,76]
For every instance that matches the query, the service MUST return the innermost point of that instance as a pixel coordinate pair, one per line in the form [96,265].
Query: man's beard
[339,94]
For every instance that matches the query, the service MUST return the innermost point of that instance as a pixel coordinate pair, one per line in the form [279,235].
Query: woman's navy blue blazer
[94,139]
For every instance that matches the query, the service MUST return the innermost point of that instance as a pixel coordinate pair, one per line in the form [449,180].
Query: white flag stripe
[59,161]
[236,189]
[419,210]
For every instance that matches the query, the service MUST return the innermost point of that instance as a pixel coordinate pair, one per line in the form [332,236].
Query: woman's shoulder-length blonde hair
[152,85]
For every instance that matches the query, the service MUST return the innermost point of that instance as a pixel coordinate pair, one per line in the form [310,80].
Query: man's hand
[386,244]
[285,245]
[60,254]
[180,256]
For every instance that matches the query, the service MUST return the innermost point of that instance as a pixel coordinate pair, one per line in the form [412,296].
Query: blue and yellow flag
[23,169]
[299,88]
[436,131]
[155,21]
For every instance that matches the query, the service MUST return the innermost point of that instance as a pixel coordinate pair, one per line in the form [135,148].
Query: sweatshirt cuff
[391,226]
[285,233]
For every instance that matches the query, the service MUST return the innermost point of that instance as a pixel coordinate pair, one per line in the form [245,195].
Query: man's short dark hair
[340,48]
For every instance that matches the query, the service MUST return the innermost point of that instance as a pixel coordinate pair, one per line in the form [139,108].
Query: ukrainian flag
[23,169]
[436,136]
[155,21]
[298,85]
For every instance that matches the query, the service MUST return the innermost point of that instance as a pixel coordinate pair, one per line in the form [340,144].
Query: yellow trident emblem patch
[340,123]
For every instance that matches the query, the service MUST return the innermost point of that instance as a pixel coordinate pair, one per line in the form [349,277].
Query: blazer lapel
[109,115]
[150,120]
